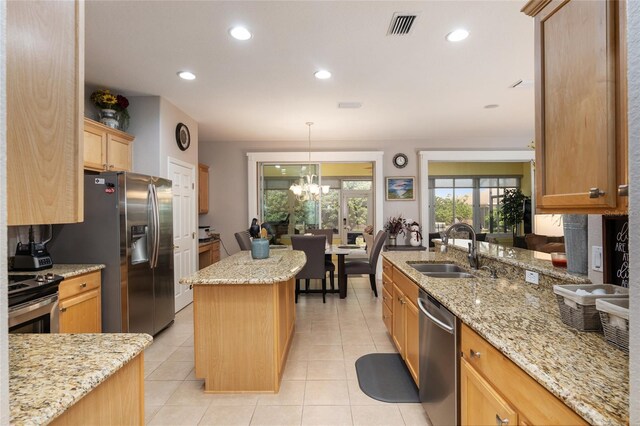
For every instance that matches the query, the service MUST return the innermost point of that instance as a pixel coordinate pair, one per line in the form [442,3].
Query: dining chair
[328,263]
[313,248]
[244,240]
[368,266]
[368,241]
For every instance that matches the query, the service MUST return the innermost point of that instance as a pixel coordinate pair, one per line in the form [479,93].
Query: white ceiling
[418,86]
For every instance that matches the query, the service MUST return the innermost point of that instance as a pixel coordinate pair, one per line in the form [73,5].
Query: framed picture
[401,188]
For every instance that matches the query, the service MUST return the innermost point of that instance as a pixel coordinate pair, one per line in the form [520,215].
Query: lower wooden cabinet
[80,304]
[208,254]
[493,389]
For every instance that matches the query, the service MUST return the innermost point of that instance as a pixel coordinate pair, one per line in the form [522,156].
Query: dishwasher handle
[439,323]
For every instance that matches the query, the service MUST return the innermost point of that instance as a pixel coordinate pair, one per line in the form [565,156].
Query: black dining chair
[328,263]
[244,240]
[313,248]
[359,267]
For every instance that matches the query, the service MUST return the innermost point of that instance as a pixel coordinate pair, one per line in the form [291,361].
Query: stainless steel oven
[33,303]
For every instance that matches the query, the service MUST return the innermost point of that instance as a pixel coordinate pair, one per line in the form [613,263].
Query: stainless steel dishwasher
[439,362]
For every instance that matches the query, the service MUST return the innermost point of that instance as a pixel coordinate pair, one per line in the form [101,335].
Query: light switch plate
[596,258]
[531,277]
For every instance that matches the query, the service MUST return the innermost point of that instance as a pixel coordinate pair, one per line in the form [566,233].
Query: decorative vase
[575,241]
[109,118]
[392,240]
[260,248]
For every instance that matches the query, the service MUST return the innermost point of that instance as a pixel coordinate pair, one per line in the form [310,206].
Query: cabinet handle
[595,193]
[623,190]
[63,309]
[474,354]
[111,166]
[500,421]
[83,285]
[403,301]
[105,166]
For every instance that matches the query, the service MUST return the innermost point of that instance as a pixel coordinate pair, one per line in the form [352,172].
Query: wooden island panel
[242,335]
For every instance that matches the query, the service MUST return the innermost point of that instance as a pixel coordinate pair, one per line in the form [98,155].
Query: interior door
[356,213]
[184,228]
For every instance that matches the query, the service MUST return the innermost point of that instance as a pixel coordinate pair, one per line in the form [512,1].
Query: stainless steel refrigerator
[128,227]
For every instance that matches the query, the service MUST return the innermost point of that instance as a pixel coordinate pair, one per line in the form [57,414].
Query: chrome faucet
[474,262]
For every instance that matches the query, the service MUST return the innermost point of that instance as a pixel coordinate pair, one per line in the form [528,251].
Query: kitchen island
[522,322]
[243,319]
[76,378]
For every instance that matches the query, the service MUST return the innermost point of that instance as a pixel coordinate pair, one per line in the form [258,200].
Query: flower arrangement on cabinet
[395,225]
[107,102]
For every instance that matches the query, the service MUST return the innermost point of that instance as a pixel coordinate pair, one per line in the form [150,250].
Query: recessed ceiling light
[491,106]
[349,105]
[458,35]
[240,33]
[322,74]
[277,166]
[186,75]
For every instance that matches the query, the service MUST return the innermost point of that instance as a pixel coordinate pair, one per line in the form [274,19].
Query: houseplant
[395,226]
[113,108]
[512,209]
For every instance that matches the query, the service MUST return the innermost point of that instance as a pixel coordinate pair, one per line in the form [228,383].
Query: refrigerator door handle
[156,227]
[153,225]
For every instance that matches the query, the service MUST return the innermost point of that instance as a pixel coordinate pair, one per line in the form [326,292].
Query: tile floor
[319,385]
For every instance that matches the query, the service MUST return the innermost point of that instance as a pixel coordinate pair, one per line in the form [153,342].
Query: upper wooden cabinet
[581,117]
[203,188]
[106,149]
[45,92]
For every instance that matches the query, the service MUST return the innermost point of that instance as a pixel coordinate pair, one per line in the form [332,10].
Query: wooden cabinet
[203,188]
[45,92]
[404,321]
[80,304]
[493,388]
[208,254]
[387,296]
[106,149]
[581,117]
[286,314]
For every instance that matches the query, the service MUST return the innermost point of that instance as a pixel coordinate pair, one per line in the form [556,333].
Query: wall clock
[183,137]
[400,160]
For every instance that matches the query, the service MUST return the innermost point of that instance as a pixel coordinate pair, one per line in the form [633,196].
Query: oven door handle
[15,315]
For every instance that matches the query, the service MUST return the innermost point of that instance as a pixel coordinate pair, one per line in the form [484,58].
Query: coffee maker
[32,256]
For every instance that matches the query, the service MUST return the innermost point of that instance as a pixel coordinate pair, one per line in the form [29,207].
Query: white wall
[145,126]
[228,173]
[170,116]
[4,326]
[633,78]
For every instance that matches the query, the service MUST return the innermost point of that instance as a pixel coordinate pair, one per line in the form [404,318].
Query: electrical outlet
[596,258]
[531,277]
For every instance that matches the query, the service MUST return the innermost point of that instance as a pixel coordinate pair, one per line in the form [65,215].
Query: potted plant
[113,108]
[512,209]
[395,226]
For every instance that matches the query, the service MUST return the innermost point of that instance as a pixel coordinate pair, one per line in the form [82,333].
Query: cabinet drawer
[387,284]
[76,285]
[386,298]
[386,267]
[386,317]
[530,399]
[408,287]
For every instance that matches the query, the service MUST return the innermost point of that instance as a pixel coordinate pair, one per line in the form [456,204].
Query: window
[472,200]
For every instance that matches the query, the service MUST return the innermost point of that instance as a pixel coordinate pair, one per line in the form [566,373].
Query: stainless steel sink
[441,270]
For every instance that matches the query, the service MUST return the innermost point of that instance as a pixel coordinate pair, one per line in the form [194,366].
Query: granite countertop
[67,270]
[240,268]
[523,322]
[48,373]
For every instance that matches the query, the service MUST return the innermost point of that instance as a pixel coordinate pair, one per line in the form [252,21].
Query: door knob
[595,193]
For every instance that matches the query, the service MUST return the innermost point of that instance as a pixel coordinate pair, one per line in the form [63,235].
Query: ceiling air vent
[401,23]
[522,84]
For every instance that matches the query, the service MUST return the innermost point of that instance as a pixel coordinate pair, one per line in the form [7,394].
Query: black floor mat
[386,378]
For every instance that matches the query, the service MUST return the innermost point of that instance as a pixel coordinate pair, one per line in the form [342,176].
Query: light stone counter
[240,268]
[523,322]
[67,270]
[48,373]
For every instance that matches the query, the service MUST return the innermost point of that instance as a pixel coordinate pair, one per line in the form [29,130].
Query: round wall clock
[400,160]
[183,137]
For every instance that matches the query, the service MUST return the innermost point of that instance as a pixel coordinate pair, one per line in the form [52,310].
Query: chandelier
[308,188]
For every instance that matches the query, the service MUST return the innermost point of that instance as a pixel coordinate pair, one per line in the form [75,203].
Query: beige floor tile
[158,352]
[414,415]
[277,415]
[188,343]
[325,353]
[357,338]
[149,412]
[295,370]
[190,393]
[353,352]
[386,348]
[381,338]
[183,415]
[326,338]
[350,369]
[227,416]
[229,399]
[326,415]
[357,397]
[376,415]
[183,353]
[326,392]
[149,366]
[171,370]
[192,375]
[158,392]
[291,393]
[326,370]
